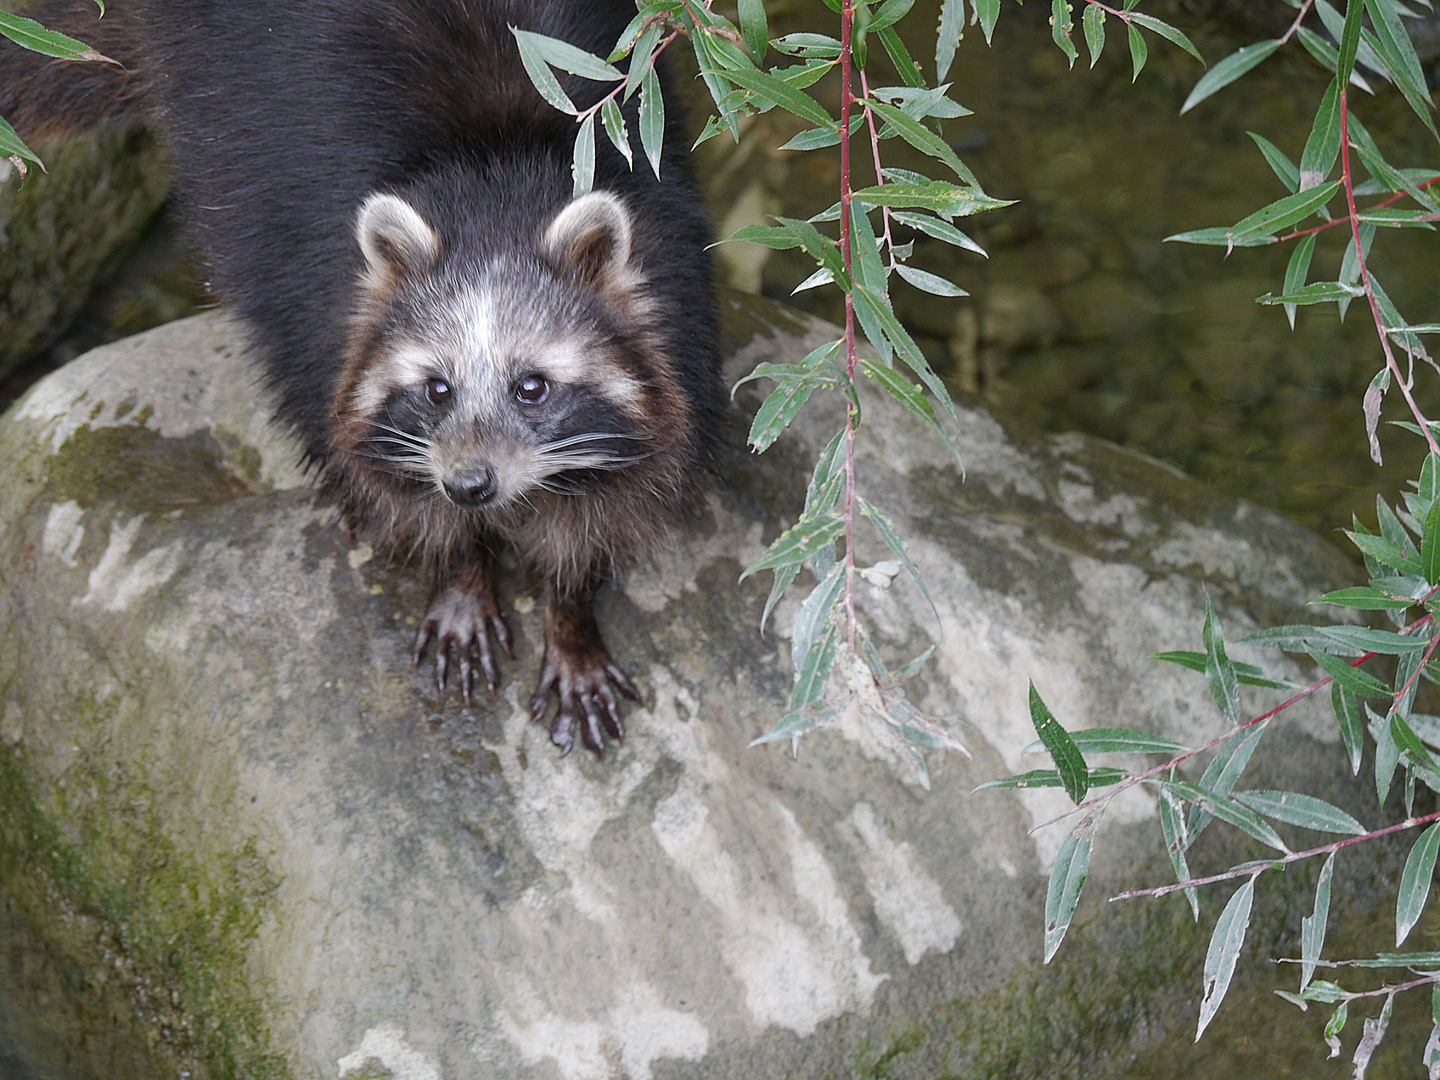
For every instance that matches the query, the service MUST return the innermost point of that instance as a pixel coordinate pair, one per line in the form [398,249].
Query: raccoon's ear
[394,239]
[591,236]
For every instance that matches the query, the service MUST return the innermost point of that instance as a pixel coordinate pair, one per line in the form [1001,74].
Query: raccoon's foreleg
[462,616]
[578,670]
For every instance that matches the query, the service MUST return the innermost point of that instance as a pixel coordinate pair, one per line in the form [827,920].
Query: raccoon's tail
[44,98]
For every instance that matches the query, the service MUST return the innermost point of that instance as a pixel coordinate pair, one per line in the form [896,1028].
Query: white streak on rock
[799,967]
[114,585]
[386,1044]
[907,899]
[63,531]
[639,1030]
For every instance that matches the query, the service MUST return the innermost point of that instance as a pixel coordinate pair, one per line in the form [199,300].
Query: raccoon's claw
[463,619]
[582,686]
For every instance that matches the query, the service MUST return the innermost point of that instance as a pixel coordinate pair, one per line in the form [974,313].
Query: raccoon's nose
[472,487]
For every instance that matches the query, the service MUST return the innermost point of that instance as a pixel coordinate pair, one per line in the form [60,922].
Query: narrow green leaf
[35,37]
[1323,145]
[1219,671]
[567,57]
[583,167]
[944,198]
[540,74]
[799,542]
[1224,950]
[1320,292]
[904,63]
[1296,271]
[928,282]
[784,578]
[1415,883]
[1366,599]
[791,726]
[923,139]
[1094,23]
[1104,776]
[1168,32]
[1228,70]
[824,479]
[989,12]
[811,676]
[1360,682]
[1352,725]
[642,59]
[1281,165]
[1067,878]
[1312,927]
[1138,52]
[1386,553]
[1248,674]
[1387,754]
[948,233]
[814,139]
[1400,57]
[1223,773]
[815,612]
[652,120]
[778,410]
[1430,545]
[769,88]
[616,130]
[1117,741]
[1372,1032]
[1361,639]
[1302,810]
[1286,211]
[754,27]
[1218,237]
[12,145]
[1172,826]
[1069,762]
[952,25]
[885,528]
[1349,39]
[1060,27]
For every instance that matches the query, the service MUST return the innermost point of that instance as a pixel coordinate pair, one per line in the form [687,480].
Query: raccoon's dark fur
[471,356]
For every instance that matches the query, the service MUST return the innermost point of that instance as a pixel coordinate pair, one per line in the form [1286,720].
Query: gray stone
[228,805]
[65,229]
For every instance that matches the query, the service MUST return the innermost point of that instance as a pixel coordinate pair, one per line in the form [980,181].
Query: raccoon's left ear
[395,240]
[592,237]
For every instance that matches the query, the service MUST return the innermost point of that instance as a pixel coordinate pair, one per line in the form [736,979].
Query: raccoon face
[487,381]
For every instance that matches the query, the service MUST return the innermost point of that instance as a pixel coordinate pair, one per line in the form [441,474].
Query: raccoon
[473,356]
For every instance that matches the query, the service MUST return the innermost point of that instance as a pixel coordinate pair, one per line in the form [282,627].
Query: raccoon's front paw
[462,618]
[581,681]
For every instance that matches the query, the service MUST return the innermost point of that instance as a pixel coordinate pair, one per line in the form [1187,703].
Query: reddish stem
[879,169]
[1390,362]
[847,18]
[1294,856]
[1345,220]
[1150,774]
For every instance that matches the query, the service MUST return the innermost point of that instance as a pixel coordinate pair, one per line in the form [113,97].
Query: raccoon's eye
[437,392]
[532,390]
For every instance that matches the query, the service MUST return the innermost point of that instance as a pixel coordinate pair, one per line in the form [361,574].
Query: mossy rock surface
[266,848]
[65,229]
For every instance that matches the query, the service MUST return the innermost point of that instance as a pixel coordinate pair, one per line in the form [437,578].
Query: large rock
[252,841]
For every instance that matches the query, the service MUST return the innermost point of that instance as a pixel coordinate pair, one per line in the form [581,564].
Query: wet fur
[285,117]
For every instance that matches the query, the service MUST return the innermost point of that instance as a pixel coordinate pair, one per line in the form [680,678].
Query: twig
[847,18]
[1283,860]
[1345,220]
[1150,774]
[1349,181]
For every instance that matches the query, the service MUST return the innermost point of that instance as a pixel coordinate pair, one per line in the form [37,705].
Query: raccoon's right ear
[395,240]
[591,236]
